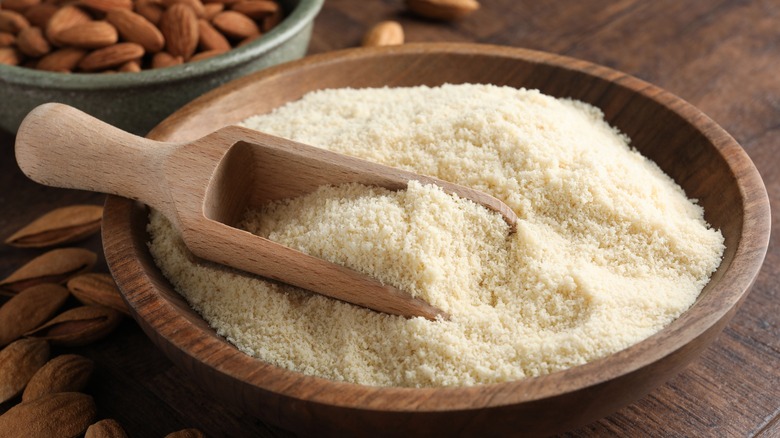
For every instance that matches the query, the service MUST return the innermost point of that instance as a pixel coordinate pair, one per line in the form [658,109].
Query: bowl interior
[688,146]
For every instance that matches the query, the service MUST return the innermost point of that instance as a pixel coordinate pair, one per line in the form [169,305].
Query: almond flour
[608,249]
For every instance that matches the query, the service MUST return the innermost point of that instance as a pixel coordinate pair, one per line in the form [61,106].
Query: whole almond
[65,18]
[31,42]
[12,22]
[210,38]
[65,373]
[130,67]
[446,10]
[385,33]
[106,5]
[256,9]
[165,59]
[235,25]
[224,2]
[7,39]
[200,56]
[149,10]
[196,5]
[91,35]
[135,28]
[61,225]
[78,326]
[55,266]
[179,25]
[10,56]
[64,414]
[18,362]
[40,14]
[111,56]
[271,21]
[246,41]
[186,433]
[29,309]
[107,428]
[212,9]
[19,5]
[97,289]
[62,60]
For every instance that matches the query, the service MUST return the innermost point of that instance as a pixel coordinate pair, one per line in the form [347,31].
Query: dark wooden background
[722,56]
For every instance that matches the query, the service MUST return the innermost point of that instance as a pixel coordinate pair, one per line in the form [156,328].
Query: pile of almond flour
[608,249]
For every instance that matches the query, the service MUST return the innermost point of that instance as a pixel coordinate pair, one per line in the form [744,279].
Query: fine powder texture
[608,249]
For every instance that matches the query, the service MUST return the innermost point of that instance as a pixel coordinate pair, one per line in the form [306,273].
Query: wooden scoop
[205,186]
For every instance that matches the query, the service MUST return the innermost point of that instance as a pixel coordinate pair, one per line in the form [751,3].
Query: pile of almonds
[127,35]
[48,389]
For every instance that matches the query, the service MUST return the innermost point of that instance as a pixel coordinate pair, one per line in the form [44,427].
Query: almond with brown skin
[210,38]
[61,225]
[200,56]
[97,289]
[107,428]
[55,266]
[210,10]
[7,39]
[248,40]
[18,363]
[224,2]
[235,25]
[111,56]
[149,10]
[10,56]
[135,28]
[130,67]
[271,21]
[165,59]
[196,5]
[29,309]
[12,22]
[65,18]
[92,35]
[446,10]
[179,25]
[256,9]
[19,5]
[62,60]
[65,373]
[385,33]
[78,326]
[40,14]
[32,43]
[64,414]
[106,5]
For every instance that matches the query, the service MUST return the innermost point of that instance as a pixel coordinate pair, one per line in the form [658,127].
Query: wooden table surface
[722,56]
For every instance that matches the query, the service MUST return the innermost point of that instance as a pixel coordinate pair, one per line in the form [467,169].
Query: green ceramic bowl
[136,102]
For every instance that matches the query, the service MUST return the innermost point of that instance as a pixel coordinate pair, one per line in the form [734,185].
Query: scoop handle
[60,146]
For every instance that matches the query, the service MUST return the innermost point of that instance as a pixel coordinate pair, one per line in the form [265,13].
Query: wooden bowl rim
[216,353]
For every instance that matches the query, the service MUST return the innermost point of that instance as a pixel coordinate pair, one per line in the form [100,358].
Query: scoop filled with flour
[608,249]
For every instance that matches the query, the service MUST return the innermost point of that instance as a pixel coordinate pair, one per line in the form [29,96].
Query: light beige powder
[608,250]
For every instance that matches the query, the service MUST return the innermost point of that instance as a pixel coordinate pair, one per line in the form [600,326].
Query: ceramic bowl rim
[302,15]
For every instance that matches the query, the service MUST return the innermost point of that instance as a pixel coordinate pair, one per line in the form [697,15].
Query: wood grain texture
[721,56]
[701,157]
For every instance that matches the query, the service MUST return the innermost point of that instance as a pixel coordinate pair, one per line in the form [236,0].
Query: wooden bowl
[687,145]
